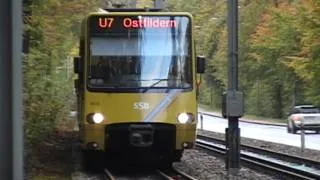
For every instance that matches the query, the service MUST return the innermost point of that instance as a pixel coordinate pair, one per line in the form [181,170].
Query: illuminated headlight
[185,118]
[95,118]
[298,122]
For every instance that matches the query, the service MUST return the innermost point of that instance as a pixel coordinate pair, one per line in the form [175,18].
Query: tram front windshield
[140,52]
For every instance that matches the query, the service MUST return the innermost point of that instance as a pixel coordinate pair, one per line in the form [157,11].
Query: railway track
[255,159]
[175,174]
[108,175]
[160,174]
[267,152]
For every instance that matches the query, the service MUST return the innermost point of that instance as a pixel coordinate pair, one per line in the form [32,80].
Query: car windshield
[308,110]
[146,57]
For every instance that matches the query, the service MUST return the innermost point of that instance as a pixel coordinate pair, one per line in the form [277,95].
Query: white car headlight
[97,118]
[185,118]
[298,122]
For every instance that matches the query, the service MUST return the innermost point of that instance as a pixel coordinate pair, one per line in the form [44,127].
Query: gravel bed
[291,150]
[203,166]
[207,167]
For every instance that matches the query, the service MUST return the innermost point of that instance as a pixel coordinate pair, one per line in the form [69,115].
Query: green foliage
[306,63]
[48,87]
[279,60]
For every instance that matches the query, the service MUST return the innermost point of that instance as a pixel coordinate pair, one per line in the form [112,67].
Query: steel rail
[165,175]
[173,174]
[267,152]
[255,162]
[184,174]
[107,175]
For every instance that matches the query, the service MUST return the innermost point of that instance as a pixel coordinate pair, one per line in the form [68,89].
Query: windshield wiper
[158,81]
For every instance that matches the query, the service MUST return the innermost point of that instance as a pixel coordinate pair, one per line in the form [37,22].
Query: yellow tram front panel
[135,107]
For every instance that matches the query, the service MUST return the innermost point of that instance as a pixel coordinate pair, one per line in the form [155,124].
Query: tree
[47,89]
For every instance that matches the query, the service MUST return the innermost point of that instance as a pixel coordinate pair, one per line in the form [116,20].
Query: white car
[309,115]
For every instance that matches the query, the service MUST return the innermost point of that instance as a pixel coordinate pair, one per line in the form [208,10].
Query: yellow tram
[137,85]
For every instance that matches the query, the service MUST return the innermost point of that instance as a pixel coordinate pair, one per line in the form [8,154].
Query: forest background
[279,55]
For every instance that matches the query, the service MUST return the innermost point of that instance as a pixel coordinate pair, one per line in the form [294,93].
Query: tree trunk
[276,3]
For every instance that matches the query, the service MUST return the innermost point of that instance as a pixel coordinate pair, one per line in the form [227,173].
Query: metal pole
[201,121]
[211,95]
[11,127]
[233,130]
[233,145]
[302,135]
[17,90]
[233,44]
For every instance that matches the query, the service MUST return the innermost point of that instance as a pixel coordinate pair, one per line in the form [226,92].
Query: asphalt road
[276,134]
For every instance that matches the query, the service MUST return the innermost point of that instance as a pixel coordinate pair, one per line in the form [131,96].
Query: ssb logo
[141,105]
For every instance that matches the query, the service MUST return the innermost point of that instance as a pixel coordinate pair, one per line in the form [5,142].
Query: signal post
[233,98]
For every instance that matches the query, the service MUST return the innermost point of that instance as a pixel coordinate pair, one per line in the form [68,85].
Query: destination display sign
[128,22]
[104,24]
